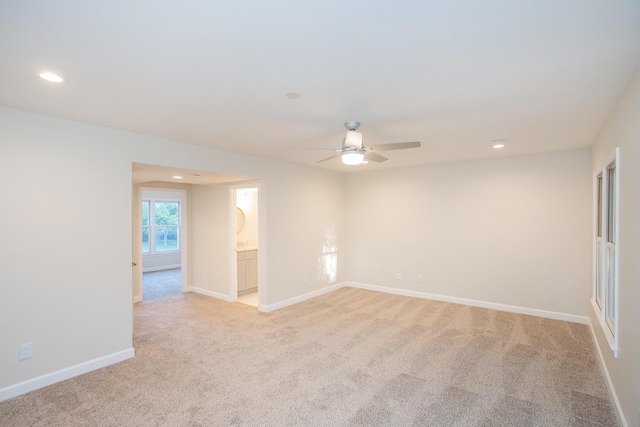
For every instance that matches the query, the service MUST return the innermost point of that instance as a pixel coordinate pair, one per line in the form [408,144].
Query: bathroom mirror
[239,220]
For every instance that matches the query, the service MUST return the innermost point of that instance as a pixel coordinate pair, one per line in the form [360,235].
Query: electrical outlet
[419,278]
[26,351]
[398,276]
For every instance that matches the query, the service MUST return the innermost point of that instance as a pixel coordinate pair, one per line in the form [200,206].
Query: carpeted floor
[161,284]
[348,358]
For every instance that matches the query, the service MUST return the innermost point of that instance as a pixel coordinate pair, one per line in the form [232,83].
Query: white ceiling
[452,74]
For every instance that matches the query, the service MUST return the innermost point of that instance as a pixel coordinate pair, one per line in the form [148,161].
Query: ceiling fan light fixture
[353,139]
[50,77]
[352,158]
[353,152]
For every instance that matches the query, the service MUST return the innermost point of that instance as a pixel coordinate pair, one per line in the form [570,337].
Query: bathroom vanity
[247,269]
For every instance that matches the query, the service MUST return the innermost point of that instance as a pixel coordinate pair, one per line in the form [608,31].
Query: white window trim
[610,331]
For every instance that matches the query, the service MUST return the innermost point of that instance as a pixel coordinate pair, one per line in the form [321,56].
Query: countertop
[246,248]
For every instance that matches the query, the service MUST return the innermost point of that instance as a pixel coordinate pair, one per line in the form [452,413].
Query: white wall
[623,130]
[159,262]
[511,231]
[311,217]
[65,276]
[209,240]
[70,293]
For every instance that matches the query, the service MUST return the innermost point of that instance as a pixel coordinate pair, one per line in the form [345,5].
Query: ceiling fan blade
[330,157]
[395,146]
[314,149]
[375,157]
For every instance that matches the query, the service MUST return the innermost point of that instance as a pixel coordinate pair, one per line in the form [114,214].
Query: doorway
[161,230]
[246,252]
[210,267]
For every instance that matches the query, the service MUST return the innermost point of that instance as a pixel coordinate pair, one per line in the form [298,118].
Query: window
[160,226]
[605,288]
[611,273]
[598,279]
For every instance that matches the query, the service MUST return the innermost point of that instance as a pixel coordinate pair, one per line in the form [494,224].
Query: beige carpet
[161,284]
[351,357]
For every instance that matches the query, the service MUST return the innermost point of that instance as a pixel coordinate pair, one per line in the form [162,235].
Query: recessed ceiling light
[50,77]
[293,95]
[498,142]
[177,177]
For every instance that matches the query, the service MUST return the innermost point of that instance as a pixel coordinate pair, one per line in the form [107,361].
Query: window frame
[605,251]
[147,227]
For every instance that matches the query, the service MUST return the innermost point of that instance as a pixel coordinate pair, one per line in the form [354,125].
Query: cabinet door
[242,275]
[252,273]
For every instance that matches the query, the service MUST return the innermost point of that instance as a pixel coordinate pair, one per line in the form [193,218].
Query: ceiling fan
[354,153]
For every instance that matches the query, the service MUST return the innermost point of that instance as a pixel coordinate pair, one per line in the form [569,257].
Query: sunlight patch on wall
[328,259]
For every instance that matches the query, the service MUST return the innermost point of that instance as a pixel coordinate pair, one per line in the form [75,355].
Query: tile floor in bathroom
[249,299]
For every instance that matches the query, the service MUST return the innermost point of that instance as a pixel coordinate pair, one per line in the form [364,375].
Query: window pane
[145,213]
[611,212]
[166,213]
[598,295]
[167,239]
[611,276]
[600,206]
[145,239]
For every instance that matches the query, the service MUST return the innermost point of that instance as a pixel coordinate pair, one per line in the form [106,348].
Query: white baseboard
[209,293]
[300,298]
[415,294]
[607,377]
[64,374]
[160,268]
[474,303]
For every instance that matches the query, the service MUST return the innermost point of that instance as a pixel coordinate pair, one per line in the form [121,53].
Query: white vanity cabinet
[247,270]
